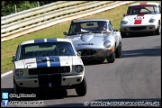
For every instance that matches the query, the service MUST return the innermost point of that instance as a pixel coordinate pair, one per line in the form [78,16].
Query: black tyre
[111,58]
[118,51]
[100,60]
[123,34]
[81,89]
[17,89]
[158,30]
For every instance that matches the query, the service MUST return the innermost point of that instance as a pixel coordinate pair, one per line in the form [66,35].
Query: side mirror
[115,30]
[124,15]
[65,33]
[79,53]
[13,58]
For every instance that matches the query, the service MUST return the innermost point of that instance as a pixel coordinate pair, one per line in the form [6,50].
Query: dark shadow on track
[132,35]
[40,94]
[87,63]
[142,52]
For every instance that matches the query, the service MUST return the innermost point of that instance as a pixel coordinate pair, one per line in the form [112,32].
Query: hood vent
[87,37]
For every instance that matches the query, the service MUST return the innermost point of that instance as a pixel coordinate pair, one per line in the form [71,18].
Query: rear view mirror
[124,15]
[13,58]
[45,45]
[65,33]
[90,24]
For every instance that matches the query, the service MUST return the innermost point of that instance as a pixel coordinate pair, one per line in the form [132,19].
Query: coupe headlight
[19,72]
[152,20]
[107,44]
[124,22]
[79,68]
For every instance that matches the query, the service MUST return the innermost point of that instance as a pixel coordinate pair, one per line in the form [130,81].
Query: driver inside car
[103,27]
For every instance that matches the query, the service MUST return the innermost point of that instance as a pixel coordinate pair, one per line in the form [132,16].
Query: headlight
[107,44]
[152,20]
[19,72]
[124,22]
[79,68]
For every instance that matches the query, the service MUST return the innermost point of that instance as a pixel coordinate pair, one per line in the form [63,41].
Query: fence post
[15,9]
[38,3]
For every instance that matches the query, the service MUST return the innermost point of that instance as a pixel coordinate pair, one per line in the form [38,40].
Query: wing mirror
[79,53]
[65,33]
[124,15]
[13,58]
[115,30]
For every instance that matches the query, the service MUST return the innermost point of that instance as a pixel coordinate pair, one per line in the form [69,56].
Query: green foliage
[8,7]
[26,5]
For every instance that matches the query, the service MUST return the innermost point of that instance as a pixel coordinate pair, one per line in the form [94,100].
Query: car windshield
[88,26]
[143,9]
[46,49]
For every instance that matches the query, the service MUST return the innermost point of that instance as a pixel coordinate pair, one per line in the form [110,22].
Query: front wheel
[118,51]
[101,60]
[123,34]
[81,89]
[158,30]
[111,58]
[17,89]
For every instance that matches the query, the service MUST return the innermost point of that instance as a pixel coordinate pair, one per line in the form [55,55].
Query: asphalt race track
[136,75]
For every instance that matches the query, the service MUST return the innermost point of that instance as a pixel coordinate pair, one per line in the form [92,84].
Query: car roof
[46,40]
[144,3]
[92,19]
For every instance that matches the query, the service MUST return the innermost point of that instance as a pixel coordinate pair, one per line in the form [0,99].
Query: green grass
[8,48]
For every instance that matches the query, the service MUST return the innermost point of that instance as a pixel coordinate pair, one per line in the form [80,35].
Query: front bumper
[49,81]
[141,28]
[95,54]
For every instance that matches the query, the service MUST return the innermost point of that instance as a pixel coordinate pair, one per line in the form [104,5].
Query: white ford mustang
[48,63]
[142,17]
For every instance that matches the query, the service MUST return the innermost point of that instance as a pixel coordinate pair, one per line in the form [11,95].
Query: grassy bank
[8,48]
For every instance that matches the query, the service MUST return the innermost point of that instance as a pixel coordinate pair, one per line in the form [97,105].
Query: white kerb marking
[7,73]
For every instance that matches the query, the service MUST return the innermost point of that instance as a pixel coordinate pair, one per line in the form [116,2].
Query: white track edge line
[7,73]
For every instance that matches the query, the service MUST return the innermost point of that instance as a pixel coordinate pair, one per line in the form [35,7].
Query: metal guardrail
[41,17]
[37,10]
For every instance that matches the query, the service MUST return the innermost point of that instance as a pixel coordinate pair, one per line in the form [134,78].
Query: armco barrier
[42,17]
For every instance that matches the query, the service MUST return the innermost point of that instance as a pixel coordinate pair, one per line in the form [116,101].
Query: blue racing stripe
[54,62]
[51,40]
[39,41]
[41,63]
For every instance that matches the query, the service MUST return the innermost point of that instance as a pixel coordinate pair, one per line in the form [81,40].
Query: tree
[8,7]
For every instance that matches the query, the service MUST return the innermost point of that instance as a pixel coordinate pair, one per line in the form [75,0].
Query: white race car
[142,17]
[48,63]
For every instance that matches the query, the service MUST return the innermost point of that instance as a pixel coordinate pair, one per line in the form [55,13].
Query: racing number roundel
[138,19]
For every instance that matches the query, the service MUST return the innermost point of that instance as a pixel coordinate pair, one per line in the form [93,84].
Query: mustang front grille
[87,52]
[49,70]
[46,81]
[138,28]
